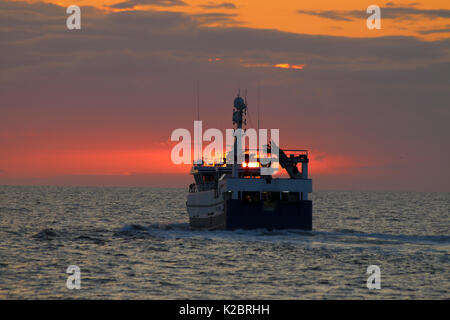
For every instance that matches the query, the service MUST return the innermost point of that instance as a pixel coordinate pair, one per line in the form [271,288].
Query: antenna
[198,103]
[195,92]
[257,102]
[245,101]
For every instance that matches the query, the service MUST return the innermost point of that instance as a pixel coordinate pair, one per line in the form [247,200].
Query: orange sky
[42,137]
[283,15]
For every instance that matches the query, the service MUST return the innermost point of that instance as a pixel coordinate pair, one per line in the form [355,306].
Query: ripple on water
[130,243]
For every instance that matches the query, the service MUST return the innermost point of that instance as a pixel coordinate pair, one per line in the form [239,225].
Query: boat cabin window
[227,195]
[270,200]
[208,178]
[250,196]
[290,196]
[270,196]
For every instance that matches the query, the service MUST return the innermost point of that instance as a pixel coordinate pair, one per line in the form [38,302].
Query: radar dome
[239,103]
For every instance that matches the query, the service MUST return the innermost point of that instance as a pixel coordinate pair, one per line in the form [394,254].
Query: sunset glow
[326,17]
[103,100]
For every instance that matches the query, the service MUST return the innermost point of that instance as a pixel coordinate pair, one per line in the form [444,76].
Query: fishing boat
[243,196]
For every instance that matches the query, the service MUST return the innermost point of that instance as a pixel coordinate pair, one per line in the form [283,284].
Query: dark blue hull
[280,215]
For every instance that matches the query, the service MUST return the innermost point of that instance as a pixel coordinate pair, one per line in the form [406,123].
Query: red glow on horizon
[35,163]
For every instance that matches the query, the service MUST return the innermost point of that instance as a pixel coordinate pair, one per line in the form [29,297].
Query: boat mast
[239,108]
[258,103]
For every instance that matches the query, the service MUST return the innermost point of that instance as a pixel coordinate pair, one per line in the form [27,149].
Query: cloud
[126,79]
[278,65]
[216,18]
[332,15]
[132,3]
[431,31]
[399,13]
[223,5]
[35,42]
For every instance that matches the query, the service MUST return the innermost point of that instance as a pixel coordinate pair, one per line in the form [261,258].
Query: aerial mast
[239,108]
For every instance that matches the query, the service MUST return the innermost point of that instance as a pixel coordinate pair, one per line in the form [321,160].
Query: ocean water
[135,243]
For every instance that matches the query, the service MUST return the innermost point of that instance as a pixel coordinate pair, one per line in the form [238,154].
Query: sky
[97,106]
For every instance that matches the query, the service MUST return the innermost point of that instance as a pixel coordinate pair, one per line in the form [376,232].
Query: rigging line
[197,112]
[198,102]
[258,101]
[250,118]
[198,119]
[195,98]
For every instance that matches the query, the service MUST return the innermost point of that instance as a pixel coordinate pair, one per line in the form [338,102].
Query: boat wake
[338,237]
[181,230]
[415,239]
